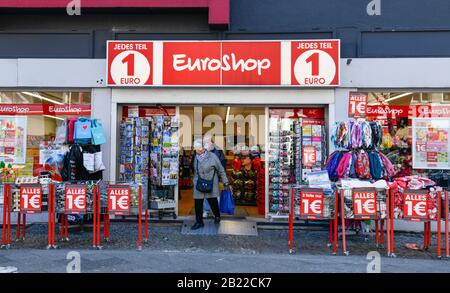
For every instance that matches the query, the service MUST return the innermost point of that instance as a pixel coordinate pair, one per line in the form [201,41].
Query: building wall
[405,28]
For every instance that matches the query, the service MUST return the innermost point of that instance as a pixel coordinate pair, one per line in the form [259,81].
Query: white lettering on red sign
[309,156]
[415,206]
[357,104]
[75,200]
[119,200]
[30,199]
[312,204]
[364,204]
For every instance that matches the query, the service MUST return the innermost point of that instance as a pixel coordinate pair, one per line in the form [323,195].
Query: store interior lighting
[228,115]
[53,117]
[398,97]
[42,98]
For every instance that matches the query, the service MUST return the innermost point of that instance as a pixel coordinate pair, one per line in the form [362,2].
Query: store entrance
[156,149]
[237,136]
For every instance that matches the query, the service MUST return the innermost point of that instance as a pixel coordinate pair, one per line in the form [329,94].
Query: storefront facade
[360,70]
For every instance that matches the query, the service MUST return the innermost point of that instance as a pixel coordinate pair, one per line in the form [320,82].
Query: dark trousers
[213,203]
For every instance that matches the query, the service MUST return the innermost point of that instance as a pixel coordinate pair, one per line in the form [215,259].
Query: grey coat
[206,169]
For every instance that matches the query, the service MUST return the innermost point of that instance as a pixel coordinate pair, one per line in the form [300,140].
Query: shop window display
[415,132]
[149,154]
[293,134]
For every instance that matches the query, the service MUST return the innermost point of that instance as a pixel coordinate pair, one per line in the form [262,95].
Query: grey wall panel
[61,73]
[278,36]
[405,44]
[165,36]
[45,45]
[8,72]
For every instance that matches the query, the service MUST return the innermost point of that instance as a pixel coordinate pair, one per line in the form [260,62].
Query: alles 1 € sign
[311,63]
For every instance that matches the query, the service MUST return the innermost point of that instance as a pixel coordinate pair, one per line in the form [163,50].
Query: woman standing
[207,169]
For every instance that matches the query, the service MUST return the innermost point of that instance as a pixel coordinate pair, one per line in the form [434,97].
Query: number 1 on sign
[129,60]
[314,60]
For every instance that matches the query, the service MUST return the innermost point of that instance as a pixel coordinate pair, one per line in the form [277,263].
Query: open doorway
[238,137]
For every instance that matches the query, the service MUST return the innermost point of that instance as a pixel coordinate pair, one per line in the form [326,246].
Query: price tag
[30,198]
[415,205]
[364,204]
[119,200]
[75,199]
[311,203]
[357,104]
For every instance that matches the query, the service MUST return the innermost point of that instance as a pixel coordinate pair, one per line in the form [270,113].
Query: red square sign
[315,62]
[119,200]
[309,156]
[311,204]
[130,63]
[30,198]
[75,199]
[357,104]
[415,206]
[364,204]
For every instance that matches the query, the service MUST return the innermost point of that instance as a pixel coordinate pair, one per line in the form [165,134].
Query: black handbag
[203,185]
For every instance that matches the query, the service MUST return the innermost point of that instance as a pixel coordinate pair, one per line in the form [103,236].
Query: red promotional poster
[30,198]
[119,200]
[75,199]
[415,206]
[309,156]
[130,63]
[247,63]
[357,104]
[311,204]
[364,204]
[192,63]
[315,63]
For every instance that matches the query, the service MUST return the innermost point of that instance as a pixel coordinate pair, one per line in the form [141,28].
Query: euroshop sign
[309,63]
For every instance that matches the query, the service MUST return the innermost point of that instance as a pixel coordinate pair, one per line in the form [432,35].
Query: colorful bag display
[82,132]
[98,134]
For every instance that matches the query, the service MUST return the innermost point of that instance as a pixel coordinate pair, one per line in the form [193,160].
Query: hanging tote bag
[226,202]
[61,132]
[98,135]
[71,129]
[83,133]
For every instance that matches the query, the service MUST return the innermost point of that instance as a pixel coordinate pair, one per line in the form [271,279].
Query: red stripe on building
[219,10]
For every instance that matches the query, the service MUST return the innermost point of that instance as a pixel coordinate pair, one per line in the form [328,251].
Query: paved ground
[169,251]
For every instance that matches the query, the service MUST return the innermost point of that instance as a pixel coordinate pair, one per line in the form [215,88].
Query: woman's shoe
[216,220]
[197,226]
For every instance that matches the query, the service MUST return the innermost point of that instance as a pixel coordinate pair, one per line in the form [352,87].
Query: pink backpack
[71,129]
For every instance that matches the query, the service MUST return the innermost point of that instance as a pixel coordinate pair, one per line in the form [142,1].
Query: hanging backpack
[71,129]
[83,134]
[98,135]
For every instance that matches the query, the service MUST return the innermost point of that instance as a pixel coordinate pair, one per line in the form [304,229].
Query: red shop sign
[30,198]
[305,63]
[415,205]
[119,200]
[357,104]
[221,63]
[364,204]
[129,63]
[75,199]
[45,109]
[311,202]
[315,62]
